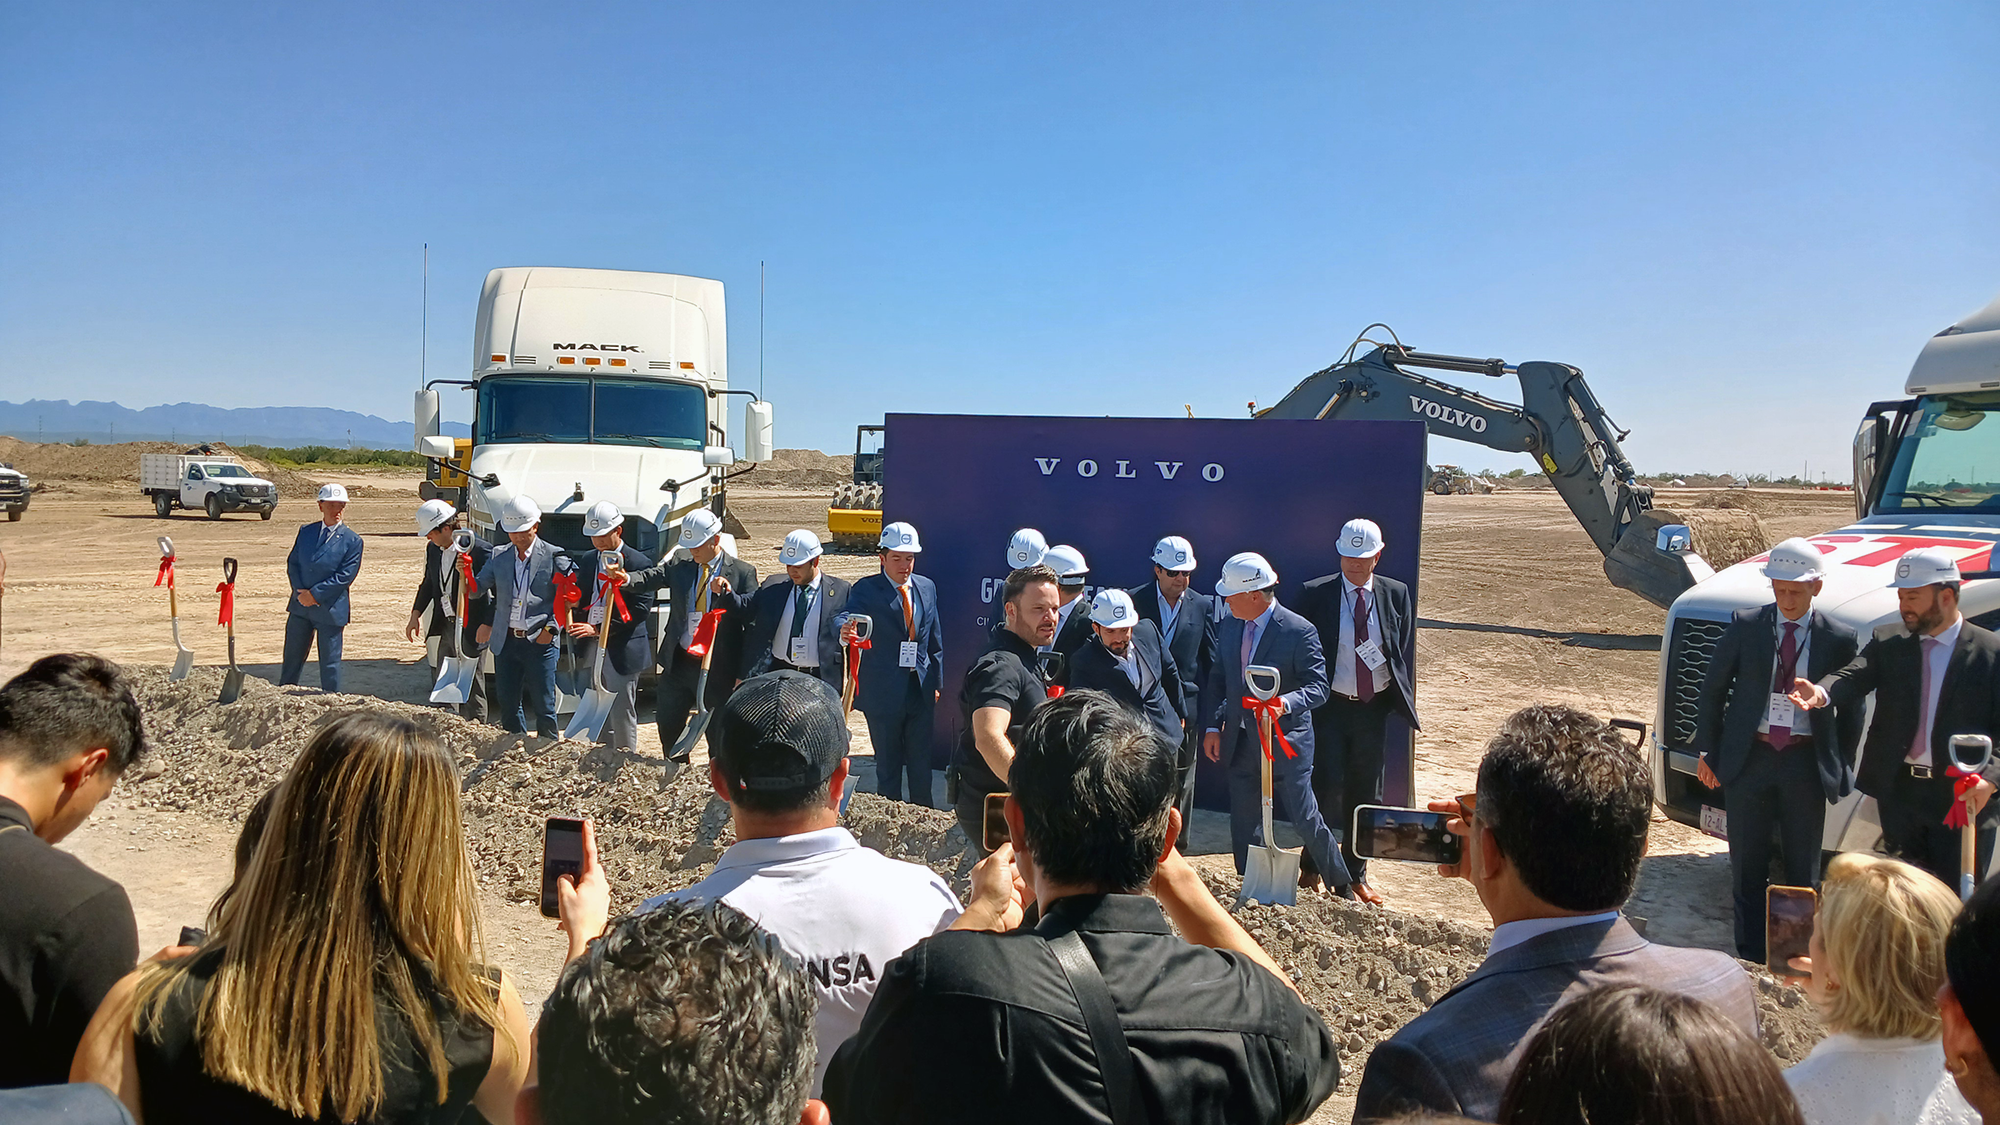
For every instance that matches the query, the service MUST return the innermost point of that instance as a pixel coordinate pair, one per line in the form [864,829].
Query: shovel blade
[1270,877]
[454,682]
[232,686]
[592,709]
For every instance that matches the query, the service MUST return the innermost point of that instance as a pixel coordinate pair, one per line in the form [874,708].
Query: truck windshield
[1951,458]
[599,411]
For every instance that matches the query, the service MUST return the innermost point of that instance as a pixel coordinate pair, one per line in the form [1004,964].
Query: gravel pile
[1368,971]
[801,468]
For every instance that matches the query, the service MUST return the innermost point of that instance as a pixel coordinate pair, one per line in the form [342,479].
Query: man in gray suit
[525,580]
[1552,846]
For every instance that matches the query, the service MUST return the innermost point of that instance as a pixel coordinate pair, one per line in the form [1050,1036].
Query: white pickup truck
[212,482]
[14,492]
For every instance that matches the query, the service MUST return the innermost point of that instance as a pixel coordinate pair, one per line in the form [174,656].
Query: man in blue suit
[1127,661]
[324,560]
[629,647]
[1259,631]
[795,619]
[902,670]
[1186,621]
[526,614]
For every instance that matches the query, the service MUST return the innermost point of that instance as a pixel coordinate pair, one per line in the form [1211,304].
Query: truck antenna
[760,329]
[424,332]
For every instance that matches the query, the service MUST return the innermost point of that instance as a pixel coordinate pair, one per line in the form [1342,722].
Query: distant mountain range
[61,420]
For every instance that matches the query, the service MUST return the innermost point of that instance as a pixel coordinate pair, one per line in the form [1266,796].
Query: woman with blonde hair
[342,982]
[1877,960]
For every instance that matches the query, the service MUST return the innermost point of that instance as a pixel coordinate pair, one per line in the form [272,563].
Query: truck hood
[628,476]
[1862,558]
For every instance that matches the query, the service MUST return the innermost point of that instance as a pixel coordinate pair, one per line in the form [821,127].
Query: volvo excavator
[1559,423]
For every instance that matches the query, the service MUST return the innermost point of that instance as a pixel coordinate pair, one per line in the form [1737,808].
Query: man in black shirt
[69,728]
[974,1027]
[1002,688]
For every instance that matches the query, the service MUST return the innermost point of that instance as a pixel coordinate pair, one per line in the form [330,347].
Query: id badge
[1780,712]
[798,656]
[906,655]
[597,614]
[1370,654]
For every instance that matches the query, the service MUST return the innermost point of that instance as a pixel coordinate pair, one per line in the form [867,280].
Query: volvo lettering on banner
[1114,486]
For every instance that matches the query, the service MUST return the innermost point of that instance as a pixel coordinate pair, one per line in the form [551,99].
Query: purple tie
[1249,642]
[1788,669]
[1364,676]
[1920,746]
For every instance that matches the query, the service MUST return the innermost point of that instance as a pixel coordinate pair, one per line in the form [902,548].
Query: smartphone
[993,825]
[192,935]
[1410,835]
[562,854]
[1788,926]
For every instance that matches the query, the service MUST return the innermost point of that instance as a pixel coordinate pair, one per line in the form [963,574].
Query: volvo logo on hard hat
[1168,470]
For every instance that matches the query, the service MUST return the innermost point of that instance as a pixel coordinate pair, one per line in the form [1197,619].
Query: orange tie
[909,618]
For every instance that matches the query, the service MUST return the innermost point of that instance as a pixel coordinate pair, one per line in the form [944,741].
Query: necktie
[802,597]
[1788,670]
[701,599]
[1249,641]
[909,615]
[1920,746]
[1364,676]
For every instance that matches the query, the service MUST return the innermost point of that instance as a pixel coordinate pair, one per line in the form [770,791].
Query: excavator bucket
[1656,559]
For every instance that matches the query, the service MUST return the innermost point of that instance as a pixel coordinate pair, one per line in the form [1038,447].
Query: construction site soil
[1513,605]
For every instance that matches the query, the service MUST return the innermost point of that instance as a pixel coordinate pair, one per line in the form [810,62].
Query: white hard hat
[699,526]
[1113,609]
[603,518]
[1026,548]
[433,514]
[520,514]
[335,492]
[1360,539]
[801,547]
[1923,567]
[900,537]
[1244,573]
[1173,553]
[1068,564]
[1794,560]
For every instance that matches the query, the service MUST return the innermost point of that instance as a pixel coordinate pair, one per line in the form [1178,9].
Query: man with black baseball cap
[843,910]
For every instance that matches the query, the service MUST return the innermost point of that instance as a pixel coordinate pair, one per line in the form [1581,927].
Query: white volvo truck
[1926,474]
[593,385]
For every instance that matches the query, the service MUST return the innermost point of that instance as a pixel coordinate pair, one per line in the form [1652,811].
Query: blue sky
[1741,220]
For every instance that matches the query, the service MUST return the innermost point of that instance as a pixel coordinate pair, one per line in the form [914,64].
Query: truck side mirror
[756,431]
[442,448]
[427,418]
[717,456]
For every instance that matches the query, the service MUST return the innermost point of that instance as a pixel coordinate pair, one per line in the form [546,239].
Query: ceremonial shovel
[864,630]
[1970,753]
[184,659]
[1270,873]
[232,680]
[594,706]
[684,745]
[456,670]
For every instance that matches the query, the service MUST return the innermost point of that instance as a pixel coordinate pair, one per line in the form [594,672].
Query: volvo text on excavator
[1559,423]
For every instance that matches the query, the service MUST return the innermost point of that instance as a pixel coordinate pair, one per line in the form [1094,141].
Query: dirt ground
[1513,603]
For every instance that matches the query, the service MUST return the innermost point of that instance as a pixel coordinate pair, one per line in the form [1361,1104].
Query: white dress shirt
[781,641]
[698,601]
[1342,679]
[1507,935]
[517,617]
[1170,612]
[1800,725]
[1939,657]
[447,589]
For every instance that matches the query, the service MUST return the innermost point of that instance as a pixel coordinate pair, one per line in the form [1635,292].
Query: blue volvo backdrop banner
[1113,486]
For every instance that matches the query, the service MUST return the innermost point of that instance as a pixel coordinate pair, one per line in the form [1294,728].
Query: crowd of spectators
[1090,975]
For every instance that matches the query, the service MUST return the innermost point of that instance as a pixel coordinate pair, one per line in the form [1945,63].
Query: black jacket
[1072,635]
[66,937]
[1737,687]
[767,608]
[973,1027]
[1093,667]
[479,612]
[1968,703]
[1193,642]
[630,647]
[678,576]
[1319,603]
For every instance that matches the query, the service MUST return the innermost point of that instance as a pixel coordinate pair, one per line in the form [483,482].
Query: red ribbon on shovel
[854,648]
[704,632]
[617,586]
[1258,706]
[567,595]
[228,611]
[166,571]
[1966,781]
[465,568]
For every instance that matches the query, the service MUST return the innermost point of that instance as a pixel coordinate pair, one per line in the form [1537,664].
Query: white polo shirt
[843,910]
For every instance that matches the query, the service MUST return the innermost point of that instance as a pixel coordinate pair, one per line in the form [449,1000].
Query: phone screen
[1410,835]
[1788,927]
[994,825]
[562,854]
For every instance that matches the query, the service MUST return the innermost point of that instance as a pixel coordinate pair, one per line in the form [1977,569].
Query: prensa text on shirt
[1087,467]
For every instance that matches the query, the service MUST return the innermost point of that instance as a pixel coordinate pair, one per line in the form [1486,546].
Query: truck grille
[1689,650]
[13,488]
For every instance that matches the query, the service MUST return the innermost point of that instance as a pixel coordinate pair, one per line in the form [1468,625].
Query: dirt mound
[1724,536]
[1368,971]
[801,468]
[120,462]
